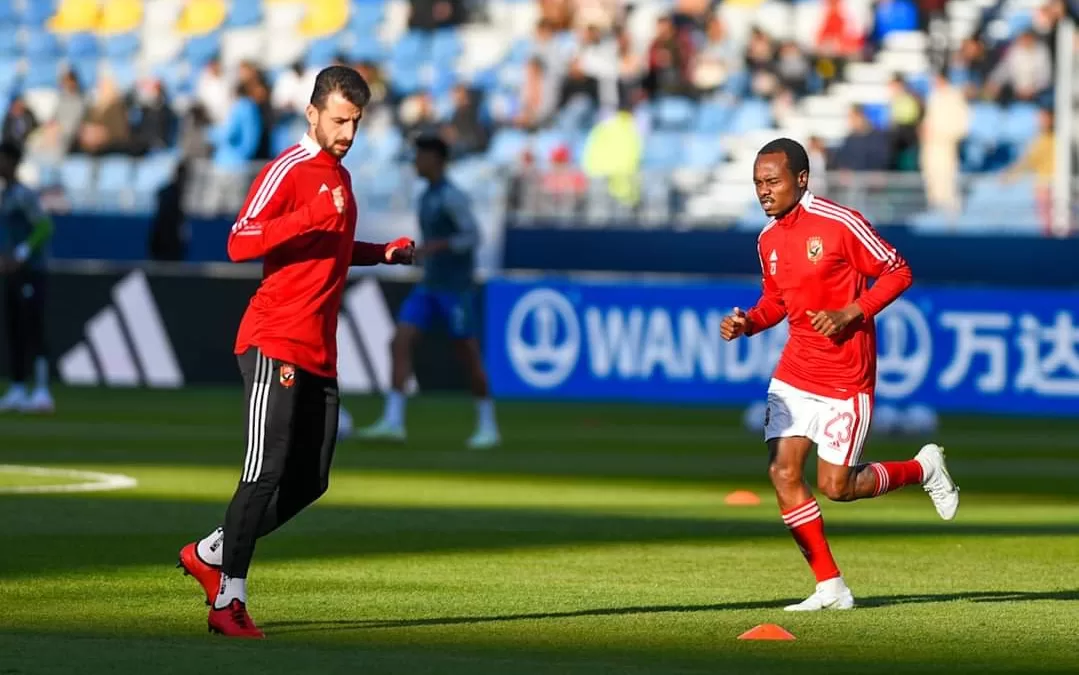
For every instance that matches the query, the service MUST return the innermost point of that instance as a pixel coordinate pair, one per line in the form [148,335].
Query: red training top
[289,219]
[821,256]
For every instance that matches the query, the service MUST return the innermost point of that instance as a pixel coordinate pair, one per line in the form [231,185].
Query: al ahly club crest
[814,249]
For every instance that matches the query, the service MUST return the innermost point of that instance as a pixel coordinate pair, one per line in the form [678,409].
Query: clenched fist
[339,198]
[734,325]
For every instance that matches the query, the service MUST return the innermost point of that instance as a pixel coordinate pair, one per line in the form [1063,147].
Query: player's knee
[838,489]
[784,475]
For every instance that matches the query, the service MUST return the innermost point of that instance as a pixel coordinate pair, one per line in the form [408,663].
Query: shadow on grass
[60,534]
[872,602]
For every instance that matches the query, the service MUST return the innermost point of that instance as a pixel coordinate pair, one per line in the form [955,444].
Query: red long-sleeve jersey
[290,221]
[821,256]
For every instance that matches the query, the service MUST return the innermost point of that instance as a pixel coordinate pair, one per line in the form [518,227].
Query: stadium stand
[517,83]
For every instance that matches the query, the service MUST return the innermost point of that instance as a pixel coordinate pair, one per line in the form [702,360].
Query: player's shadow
[872,602]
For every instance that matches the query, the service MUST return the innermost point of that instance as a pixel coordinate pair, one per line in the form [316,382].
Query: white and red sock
[807,528]
[894,475]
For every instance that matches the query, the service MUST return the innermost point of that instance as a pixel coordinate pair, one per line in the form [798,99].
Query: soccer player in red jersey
[817,259]
[300,218]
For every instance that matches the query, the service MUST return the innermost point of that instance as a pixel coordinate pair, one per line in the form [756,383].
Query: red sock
[806,526]
[894,475]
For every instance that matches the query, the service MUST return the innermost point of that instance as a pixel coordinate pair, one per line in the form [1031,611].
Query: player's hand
[830,323]
[401,251]
[338,194]
[734,325]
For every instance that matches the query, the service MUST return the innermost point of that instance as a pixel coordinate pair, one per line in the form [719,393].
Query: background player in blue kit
[445,297]
[25,231]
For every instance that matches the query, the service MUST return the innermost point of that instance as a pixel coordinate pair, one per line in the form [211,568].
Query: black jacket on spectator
[18,125]
[870,151]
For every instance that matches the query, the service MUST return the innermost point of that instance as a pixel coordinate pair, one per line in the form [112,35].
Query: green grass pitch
[595,541]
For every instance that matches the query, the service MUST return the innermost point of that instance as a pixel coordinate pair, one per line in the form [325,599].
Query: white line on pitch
[91,481]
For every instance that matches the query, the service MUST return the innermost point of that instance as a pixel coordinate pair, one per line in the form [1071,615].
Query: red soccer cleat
[234,621]
[208,576]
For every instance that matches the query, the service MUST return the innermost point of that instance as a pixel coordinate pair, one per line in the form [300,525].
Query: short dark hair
[797,158]
[12,151]
[343,80]
[434,144]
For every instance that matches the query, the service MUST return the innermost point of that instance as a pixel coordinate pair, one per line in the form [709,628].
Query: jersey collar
[314,150]
[803,203]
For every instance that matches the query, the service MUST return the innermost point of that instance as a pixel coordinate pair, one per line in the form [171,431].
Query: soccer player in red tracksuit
[300,218]
[817,259]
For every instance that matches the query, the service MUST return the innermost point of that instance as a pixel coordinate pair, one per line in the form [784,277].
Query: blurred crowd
[582,51]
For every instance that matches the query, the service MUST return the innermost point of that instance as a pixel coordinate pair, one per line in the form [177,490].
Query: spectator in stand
[465,133]
[57,136]
[1044,23]
[236,143]
[693,15]
[1024,73]
[536,101]
[792,69]
[970,67]
[865,148]
[195,134]
[906,113]
[837,41]
[598,56]
[669,61]
[106,127]
[630,66]
[613,153]
[19,123]
[417,117]
[718,58]
[578,83]
[429,15]
[946,123]
[213,91]
[1039,160]
[818,165]
[563,187]
[760,59]
[558,14]
[155,126]
[288,97]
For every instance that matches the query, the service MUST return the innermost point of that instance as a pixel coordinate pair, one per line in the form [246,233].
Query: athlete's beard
[327,145]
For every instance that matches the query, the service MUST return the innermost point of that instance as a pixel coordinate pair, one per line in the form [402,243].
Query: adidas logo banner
[166,331]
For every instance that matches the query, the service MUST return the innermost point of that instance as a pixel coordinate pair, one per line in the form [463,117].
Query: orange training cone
[766,631]
[742,498]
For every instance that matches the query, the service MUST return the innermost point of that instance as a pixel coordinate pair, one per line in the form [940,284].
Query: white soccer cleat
[39,403]
[14,400]
[832,594]
[484,439]
[937,482]
[382,430]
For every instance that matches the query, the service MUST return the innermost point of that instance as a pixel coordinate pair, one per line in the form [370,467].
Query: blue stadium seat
[121,46]
[412,47]
[115,173]
[662,150]
[673,112]
[124,72]
[42,72]
[9,76]
[320,53]
[77,174]
[365,18]
[201,48]
[385,147]
[85,71]
[37,12]
[712,117]
[9,41]
[8,15]
[985,124]
[750,115]
[519,51]
[879,114]
[42,44]
[576,116]
[154,171]
[82,46]
[1020,124]
[367,50]
[244,14]
[506,146]
[702,151]
[445,47]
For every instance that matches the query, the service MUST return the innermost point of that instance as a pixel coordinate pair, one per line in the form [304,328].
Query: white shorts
[838,426]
